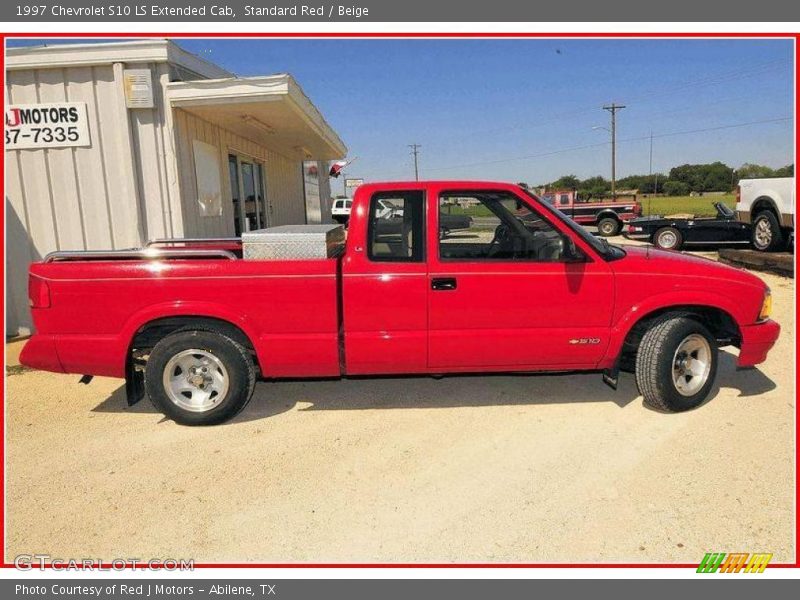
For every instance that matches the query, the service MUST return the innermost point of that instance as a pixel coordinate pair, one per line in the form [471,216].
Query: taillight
[38,292]
[738,194]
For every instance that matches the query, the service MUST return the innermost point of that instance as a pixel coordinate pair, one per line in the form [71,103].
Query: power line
[665,90]
[599,145]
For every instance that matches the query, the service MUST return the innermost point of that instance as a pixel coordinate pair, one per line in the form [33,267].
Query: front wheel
[608,226]
[199,377]
[676,364]
[767,235]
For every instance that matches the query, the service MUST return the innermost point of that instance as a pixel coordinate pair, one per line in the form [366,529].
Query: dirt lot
[476,468]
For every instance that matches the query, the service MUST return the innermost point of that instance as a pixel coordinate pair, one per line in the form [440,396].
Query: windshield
[600,245]
[724,210]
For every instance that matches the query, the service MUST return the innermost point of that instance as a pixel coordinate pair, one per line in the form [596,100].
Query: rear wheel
[608,226]
[767,235]
[676,364]
[668,238]
[199,377]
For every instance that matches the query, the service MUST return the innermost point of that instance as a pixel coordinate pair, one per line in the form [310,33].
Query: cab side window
[395,229]
[489,226]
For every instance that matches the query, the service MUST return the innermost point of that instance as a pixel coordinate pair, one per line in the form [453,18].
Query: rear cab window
[395,227]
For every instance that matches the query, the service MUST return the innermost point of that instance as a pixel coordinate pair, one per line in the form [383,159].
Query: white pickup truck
[767,204]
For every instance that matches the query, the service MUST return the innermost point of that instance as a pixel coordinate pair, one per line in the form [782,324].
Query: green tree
[675,188]
[710,177]
[593,186]
[565,182]
[754,171]
[787,171]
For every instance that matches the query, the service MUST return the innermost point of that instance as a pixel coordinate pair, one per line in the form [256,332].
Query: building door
[248,194]
[233,170]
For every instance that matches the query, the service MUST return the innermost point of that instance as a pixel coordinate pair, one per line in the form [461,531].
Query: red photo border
[419,35]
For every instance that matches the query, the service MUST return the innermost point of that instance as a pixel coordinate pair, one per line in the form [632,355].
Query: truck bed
[97,306]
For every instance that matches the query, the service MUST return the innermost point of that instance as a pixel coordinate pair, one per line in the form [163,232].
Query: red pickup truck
[193,323]
[607,215]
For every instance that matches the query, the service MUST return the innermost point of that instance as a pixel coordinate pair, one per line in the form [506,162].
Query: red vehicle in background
[194,323]
[607,214]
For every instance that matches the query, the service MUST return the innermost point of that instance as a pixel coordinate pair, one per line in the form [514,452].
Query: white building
[109,145]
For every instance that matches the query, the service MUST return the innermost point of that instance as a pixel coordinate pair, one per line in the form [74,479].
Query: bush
[675,188]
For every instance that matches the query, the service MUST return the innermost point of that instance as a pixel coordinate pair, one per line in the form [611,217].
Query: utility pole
[415,151]
[613,108]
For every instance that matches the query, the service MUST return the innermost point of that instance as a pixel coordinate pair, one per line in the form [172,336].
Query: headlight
[766,306]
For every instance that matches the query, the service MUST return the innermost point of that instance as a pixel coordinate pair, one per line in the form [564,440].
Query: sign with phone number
[58,125]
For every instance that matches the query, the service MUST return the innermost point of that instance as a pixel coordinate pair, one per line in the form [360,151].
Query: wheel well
[721,325]
[762,204]
[149,334]
[608,215]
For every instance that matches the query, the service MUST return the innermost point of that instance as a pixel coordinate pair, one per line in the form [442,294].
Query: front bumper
[757,340]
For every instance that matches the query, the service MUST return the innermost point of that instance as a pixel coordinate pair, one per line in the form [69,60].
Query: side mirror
[571,252]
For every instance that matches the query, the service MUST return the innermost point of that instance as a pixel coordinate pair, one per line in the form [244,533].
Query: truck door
[384,283]
[509,293]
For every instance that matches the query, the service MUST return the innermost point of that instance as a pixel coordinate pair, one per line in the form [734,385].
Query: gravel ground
[472,468]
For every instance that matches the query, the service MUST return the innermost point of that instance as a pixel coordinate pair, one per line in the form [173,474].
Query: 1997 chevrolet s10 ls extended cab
[193,323]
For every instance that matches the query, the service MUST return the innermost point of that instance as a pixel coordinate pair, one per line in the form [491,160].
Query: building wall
[135,182]
[155,165]
[69,198]
[283,177]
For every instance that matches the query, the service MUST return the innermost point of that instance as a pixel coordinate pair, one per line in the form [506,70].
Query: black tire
[608,226]
[235,359]
[661,237]
[770,238]
[655,360]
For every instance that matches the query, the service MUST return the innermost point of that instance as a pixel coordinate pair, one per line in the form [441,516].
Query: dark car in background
[673,232]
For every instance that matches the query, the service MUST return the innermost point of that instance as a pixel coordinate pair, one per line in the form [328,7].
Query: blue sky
[510,109]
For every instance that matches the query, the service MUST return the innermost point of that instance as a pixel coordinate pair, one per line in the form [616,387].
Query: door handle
[443,284]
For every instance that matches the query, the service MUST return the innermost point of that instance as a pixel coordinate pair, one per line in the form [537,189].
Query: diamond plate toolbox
[293,242]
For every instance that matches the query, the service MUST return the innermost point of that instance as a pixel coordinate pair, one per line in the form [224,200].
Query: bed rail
[144,253]
[213,240]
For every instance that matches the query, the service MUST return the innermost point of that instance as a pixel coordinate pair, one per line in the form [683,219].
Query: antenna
[650,198]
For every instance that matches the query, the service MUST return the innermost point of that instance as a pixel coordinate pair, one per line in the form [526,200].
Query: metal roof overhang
[271,111]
